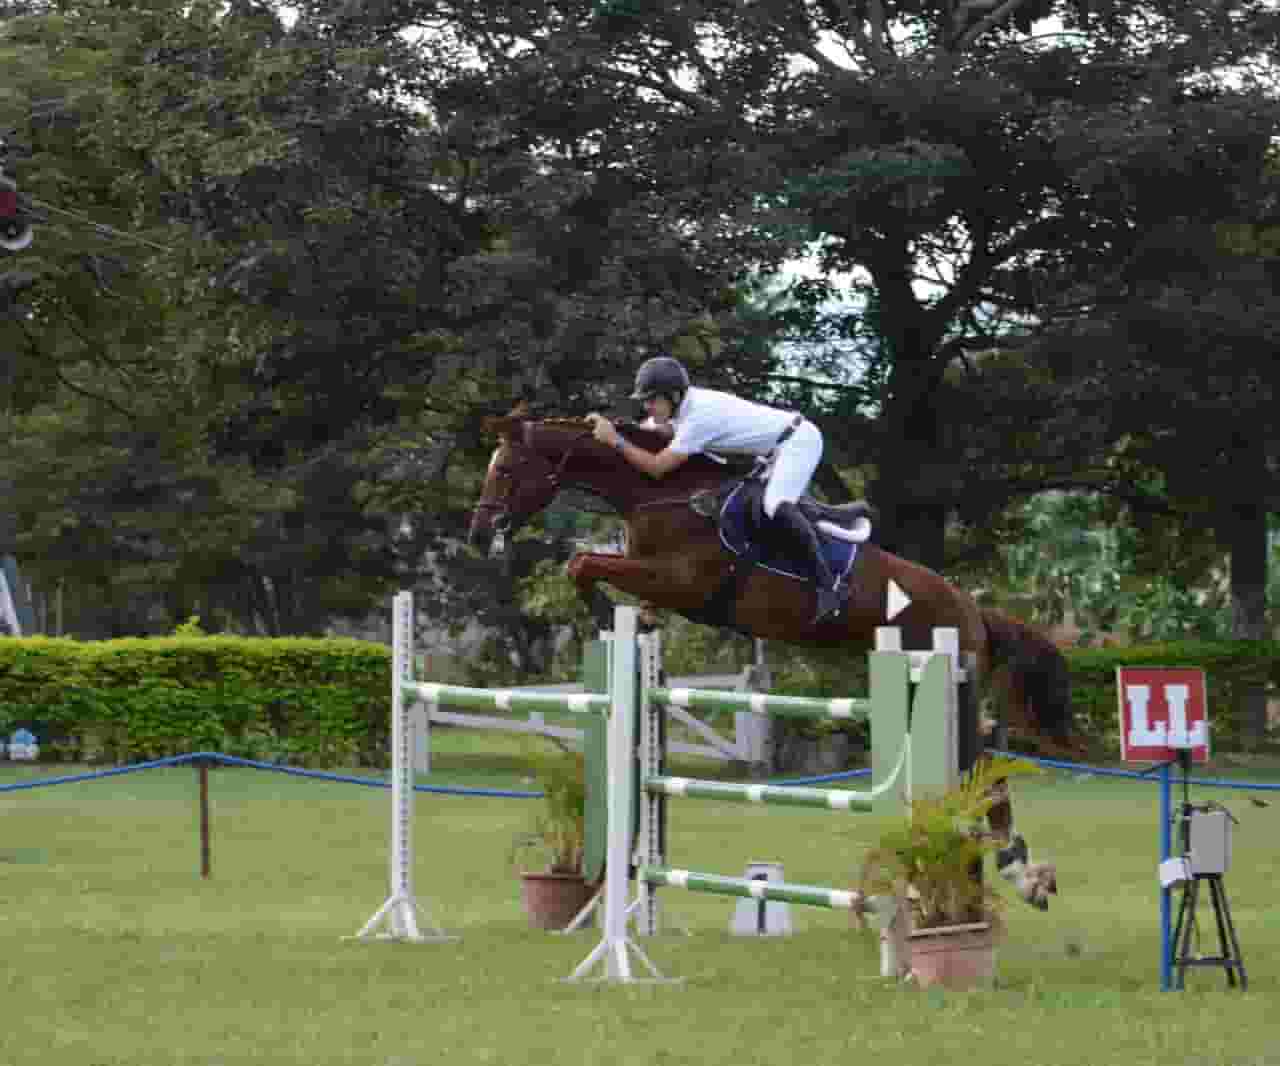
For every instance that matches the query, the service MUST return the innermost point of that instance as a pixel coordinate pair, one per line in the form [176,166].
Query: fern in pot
[933,856]
[549,856]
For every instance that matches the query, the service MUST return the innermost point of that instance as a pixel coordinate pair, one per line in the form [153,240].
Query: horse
[675,559]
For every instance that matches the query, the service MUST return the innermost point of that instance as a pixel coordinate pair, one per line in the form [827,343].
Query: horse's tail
[1039,683]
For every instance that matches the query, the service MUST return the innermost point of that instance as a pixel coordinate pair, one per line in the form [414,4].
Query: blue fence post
[1166,849]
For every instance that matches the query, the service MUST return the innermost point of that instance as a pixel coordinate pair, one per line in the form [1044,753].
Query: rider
[704,419]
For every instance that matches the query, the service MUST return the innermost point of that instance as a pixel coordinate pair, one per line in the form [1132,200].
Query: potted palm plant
[549,856]
[933,856]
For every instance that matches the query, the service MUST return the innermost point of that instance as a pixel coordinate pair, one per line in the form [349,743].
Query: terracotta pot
[552,901]
[954,956]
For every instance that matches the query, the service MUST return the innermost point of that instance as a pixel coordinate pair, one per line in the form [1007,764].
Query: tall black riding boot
[790,518]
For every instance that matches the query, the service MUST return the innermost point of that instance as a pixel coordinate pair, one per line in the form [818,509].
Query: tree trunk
[911,486]
[1248,547]
[916,530]
[913,504]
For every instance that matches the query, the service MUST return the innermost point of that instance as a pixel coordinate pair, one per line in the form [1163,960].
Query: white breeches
[793,466]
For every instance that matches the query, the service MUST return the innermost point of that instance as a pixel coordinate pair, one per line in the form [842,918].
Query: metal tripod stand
[1204,832]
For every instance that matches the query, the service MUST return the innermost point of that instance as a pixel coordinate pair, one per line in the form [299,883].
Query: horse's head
[522,477]
[518,484]
[535,459]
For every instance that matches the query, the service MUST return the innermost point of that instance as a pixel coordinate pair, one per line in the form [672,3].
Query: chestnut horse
[675,560]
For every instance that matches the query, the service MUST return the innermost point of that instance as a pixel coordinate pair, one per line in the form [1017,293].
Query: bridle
[501,507]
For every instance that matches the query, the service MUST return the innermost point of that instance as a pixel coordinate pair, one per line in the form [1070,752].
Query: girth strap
[718,609]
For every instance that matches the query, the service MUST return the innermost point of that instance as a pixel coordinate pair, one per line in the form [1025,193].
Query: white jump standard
[398,916]
[909,752]
[913,746]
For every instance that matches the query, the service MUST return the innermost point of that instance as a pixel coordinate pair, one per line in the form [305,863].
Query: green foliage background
[303,701]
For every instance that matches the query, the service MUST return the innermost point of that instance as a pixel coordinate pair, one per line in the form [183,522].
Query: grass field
[116,952]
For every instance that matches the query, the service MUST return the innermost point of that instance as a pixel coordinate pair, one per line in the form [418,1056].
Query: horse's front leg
[638,577]
[1034,881]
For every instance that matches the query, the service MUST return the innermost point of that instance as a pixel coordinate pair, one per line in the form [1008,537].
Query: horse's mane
[650,440]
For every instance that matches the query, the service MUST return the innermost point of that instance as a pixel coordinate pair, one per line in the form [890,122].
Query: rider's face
[659,409]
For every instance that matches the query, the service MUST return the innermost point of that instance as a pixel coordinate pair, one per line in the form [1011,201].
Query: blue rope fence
[1084,769]
[231,760]
[1140,775]
[204,759]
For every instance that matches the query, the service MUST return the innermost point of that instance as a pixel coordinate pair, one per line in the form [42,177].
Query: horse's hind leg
[1034,882]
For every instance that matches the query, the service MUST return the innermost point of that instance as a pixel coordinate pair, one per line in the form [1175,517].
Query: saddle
[855,518]
[850,522]
[737,508]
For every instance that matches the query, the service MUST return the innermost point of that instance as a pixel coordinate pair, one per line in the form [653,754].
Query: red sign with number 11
[1162,709]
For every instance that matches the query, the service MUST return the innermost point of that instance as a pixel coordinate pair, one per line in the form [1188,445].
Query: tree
[1185,340]
[961,166]
[254,366]
[1089,563]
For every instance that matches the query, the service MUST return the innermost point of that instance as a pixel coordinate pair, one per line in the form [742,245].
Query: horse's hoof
[1038,883]
[1015,851]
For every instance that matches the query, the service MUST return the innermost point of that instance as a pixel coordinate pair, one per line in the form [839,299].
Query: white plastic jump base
[614,960]
[400,916]
[595,903]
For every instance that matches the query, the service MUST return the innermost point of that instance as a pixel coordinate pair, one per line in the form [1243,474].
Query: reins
[573,444]
[556,477]
[671,501]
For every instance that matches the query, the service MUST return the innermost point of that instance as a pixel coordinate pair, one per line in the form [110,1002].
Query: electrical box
[1210,842]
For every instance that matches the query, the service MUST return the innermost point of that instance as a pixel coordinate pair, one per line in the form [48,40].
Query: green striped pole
[833,799]
[778,891]
[827,799]
[486,699]
[701,699]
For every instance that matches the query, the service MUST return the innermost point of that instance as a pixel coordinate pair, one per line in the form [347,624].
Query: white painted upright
[650,759]
[400,912]
[612,954]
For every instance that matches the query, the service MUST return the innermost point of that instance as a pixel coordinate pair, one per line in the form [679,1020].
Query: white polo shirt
[708,420]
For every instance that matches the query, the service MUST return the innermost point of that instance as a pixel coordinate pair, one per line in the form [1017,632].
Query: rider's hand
[602,429]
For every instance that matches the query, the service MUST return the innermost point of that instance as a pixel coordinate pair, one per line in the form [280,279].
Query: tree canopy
[356,227]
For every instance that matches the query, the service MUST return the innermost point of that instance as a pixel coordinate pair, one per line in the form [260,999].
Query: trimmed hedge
[308,702]
[1229,666]
[324,702]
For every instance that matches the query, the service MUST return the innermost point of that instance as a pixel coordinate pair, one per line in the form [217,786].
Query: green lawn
[117,952]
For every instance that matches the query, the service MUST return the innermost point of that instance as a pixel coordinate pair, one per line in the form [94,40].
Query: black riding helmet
[660,376]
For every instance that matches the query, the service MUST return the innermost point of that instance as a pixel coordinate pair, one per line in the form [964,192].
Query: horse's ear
[505,426]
